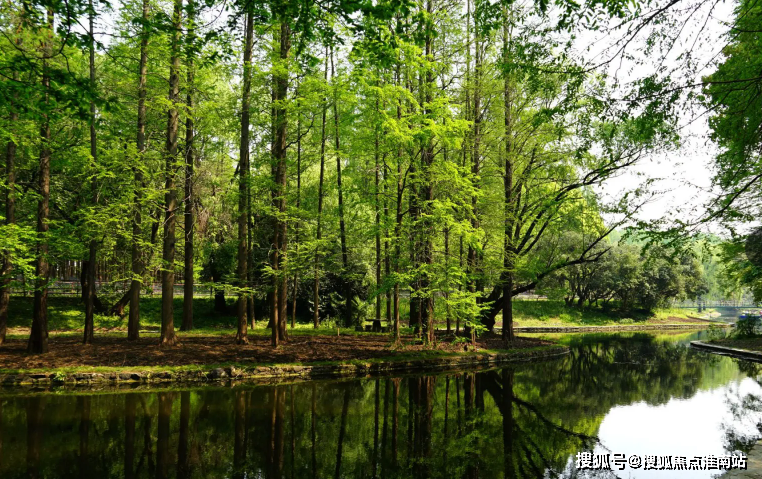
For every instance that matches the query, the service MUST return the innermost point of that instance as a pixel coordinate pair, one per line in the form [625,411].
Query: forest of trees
[447,155]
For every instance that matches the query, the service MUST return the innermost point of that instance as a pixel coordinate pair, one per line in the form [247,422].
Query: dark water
[633,394]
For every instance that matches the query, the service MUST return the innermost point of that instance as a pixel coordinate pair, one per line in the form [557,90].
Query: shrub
[748,326]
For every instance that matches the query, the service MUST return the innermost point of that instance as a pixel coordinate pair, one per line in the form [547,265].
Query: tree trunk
[280,128]
[6,270]
[298,204]
[168,337]
[319,232]
[190,156]
[342,431]
[398,225]
[377,320]
[509,220]
[427,158]
[38,338]
[92,258]
[243,185]
[342,226]
[133,323]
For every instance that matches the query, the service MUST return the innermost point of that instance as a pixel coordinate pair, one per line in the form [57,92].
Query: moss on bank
[402,362]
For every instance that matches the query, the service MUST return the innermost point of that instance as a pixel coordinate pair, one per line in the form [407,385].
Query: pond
[635,394]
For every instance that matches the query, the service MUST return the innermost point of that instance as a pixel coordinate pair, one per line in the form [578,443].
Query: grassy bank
[557,314]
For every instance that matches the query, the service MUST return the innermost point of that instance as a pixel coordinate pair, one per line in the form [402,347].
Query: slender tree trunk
[183,448]
[190,157]
[243,184]
[342,431]
[447,275]
[84,405]
[166,401]
[377,320]
[342,226]
[280,126]
[298,205]
[6,270]
[428,190]
[133,323]
[130,405]
[398,226]
[38,338]
[239,443]
[313,433]
[508,249]
[168,337]
[387,259]
[508,449]
[92,258]
[319,232]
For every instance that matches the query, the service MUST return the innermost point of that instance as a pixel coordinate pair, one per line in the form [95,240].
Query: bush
[748,326]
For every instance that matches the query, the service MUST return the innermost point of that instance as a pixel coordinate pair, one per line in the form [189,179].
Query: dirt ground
[68,351]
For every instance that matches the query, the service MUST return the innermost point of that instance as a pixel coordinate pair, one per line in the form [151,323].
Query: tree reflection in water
[524,421]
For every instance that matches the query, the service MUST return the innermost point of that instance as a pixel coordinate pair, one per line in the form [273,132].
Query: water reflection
[526,421]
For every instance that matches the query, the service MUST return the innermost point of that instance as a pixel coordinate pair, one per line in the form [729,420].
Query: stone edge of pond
[726,351]
[275,372]
[624,327]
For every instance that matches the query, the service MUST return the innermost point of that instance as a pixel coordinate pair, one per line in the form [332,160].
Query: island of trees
[405,164]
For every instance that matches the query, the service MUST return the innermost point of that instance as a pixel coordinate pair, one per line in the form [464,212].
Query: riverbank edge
[726,351]
[275,372]
[624,327]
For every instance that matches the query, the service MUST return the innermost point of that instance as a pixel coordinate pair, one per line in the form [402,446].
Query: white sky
[684,175]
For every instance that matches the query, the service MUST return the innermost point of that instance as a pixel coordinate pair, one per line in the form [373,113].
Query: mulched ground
[67,351]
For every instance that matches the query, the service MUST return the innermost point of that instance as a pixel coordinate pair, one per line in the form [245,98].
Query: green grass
[557,314]
[66,317]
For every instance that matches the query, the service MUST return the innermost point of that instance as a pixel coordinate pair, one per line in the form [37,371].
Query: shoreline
[728,351]
[615,328]
[269,373]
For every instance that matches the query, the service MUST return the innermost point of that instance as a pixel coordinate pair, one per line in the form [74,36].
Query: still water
[631,394]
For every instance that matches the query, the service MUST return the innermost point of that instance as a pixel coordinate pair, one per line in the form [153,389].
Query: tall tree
[38,338]
[342,226]
[6,270]
[168,336]
[319,227]
[280,129]
[190,158]
[133,323]
[93,250]
[243,182]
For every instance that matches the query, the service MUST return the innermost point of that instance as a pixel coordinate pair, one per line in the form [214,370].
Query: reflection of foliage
[740,407]
[529,420]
